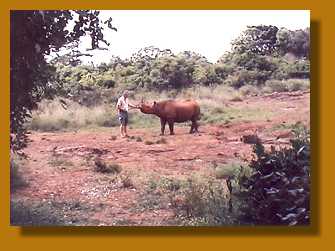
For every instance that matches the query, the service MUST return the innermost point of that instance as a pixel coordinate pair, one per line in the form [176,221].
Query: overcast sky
[208,32]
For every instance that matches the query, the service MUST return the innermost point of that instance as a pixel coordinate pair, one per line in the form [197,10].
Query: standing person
[123,107]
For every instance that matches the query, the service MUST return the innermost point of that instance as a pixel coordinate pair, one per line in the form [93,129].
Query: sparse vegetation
[65,95]
[16,173]
[203,201]
[49,213]
[103,167]
[60,162]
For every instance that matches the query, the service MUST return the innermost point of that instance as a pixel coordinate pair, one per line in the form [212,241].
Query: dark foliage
[35,34]
[278,193]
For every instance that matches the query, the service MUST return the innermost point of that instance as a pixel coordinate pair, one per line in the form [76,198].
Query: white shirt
[122,103]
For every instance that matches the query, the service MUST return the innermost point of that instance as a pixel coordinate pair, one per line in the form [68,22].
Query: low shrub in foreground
[278,192]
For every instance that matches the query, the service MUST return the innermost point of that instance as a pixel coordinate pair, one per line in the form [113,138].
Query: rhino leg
[163,122]
[171,122]
[194,126]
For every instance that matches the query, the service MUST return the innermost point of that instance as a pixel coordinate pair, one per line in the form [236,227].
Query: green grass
[287,126]
[140,120]
[233,170]
[229,114]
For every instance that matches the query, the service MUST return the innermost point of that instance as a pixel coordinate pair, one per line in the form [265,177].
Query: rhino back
[179,111]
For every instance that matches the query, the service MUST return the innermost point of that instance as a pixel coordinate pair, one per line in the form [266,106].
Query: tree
[295,42]
[259,39]
[35,34]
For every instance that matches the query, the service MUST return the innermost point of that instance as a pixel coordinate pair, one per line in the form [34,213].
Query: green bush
[278,192]
[276,85]
[247,77]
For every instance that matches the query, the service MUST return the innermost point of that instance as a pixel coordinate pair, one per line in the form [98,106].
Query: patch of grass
[231,114]
[274,85]
[22,214]
[248,90]
[298,84]
[50,213]
[287,126]
[286,85]
[103,167]
[126,181]
[59,161]
[169,184]
[52,116]
[16,176]
[232,170]
[203,201]
[139,139]
[140,120]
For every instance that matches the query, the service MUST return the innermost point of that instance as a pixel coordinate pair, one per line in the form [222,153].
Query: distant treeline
[259,54]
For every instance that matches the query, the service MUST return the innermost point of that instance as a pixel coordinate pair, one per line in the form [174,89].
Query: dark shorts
[123,117]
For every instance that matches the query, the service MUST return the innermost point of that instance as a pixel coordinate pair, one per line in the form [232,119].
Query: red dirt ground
[182,155]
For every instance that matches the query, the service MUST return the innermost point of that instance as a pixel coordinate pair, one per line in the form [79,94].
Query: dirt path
[59,169]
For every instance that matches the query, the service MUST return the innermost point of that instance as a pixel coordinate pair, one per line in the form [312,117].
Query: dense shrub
[278,192]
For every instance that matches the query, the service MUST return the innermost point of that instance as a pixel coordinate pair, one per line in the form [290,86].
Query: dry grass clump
[52,116]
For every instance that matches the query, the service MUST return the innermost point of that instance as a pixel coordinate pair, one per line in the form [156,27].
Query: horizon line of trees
[260,53]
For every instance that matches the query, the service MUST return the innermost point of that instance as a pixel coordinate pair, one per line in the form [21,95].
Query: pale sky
[208,32]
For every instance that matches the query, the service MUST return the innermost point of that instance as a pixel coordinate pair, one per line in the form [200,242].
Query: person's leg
[121,130]
[125,125]
[121,118]
[125,131]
